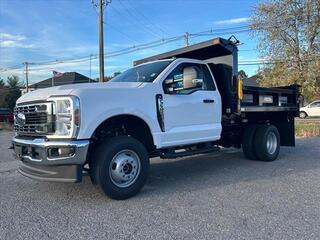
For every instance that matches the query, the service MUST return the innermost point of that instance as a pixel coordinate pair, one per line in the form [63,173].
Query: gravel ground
[215,196]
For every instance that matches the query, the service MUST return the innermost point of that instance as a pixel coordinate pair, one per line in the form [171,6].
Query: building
[66,78]
[251,81]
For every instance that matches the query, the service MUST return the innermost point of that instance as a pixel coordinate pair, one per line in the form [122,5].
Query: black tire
[103,157]
[303,115]
[267,151]
[248,142]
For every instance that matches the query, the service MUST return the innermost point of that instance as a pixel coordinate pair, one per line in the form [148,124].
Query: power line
[111,26]
[145,17]
[159,42]
[3,69]
[139,22]
[110,54]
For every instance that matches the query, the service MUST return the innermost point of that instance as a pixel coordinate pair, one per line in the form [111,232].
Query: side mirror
[190,78]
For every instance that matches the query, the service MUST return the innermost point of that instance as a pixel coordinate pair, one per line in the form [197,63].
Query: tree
[13,82]
[289,39]
[1,83]
[11,92]
[242,75]
[116,73]
[108,78]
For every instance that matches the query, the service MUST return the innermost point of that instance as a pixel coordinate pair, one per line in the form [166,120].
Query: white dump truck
[184,102]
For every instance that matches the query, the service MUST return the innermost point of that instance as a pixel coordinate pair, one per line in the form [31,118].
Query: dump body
[222,57]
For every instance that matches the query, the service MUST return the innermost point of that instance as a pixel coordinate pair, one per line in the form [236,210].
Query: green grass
[307,129]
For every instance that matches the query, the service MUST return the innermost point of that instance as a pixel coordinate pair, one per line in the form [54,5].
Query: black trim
[160,114]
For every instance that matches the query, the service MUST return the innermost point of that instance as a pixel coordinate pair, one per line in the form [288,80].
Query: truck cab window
[187,78]
[142,73]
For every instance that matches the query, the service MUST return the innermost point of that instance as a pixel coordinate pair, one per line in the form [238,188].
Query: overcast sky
[48,30]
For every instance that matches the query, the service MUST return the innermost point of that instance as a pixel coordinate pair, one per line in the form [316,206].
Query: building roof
[251,81]
[66,78]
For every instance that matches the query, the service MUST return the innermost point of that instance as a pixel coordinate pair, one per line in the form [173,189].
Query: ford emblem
[21,119]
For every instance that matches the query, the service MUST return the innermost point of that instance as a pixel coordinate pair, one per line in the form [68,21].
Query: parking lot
[216,196]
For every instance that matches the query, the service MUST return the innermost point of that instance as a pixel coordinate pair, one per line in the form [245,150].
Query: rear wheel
[121,167]
[267,143]
[248,142]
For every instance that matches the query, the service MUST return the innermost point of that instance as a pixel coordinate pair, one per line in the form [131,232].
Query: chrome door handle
[208,100]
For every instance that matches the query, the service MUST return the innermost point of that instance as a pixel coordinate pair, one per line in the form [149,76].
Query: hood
[73,89]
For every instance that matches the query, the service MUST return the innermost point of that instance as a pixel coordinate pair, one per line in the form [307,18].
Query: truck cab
[180,103]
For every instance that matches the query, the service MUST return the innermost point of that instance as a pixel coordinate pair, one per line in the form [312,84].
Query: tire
[303,115]
[267,143]
[248,142]
[120,167]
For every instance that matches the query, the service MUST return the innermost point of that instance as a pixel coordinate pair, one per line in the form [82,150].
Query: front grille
[35,119]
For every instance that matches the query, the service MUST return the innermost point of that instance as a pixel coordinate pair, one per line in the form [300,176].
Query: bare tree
[289,38]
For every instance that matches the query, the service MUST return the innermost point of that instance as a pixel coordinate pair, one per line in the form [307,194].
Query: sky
[39,31]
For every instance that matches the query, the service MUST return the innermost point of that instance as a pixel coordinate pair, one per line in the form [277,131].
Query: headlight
[67,116]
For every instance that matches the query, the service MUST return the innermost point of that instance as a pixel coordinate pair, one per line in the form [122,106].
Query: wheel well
[124,125]
[304,112]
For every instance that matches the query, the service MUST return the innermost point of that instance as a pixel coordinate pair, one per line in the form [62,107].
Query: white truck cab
[184,102]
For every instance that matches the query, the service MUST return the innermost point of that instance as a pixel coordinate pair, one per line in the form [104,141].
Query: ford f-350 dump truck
[187,101]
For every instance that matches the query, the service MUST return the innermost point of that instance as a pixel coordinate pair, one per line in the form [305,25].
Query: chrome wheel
[124,168]
[272,143]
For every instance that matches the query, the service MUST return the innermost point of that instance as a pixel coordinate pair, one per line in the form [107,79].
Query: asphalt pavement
[215,196]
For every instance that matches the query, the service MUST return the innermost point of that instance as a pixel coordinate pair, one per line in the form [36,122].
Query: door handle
[208,100]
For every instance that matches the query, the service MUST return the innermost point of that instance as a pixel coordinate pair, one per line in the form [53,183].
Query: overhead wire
[130,19]
[159,42]
[141,14]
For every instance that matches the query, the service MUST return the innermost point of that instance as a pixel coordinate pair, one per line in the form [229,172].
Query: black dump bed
[222,58]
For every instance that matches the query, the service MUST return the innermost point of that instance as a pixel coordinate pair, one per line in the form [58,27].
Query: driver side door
[192,106]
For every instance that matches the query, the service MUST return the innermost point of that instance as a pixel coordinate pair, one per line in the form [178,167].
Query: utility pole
[90,67]
[100,6]
[27,77]
[186,39]
[101,51]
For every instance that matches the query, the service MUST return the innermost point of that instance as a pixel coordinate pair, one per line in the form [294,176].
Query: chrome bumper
[37,163]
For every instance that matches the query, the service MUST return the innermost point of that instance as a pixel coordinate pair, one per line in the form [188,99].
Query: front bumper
[39,162]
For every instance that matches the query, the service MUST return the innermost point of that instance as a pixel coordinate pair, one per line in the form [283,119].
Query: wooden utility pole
[90,66]
[27,76]
[186,39]
[101,51]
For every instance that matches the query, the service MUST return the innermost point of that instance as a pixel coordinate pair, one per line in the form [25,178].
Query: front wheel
[302,115]
[121,167]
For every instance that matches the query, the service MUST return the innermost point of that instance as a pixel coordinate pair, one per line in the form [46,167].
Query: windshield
[143,73]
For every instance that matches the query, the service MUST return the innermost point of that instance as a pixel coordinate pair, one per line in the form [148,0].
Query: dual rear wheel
[261,142]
